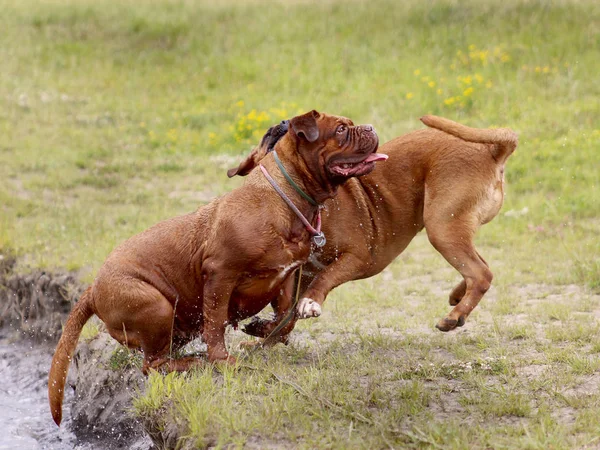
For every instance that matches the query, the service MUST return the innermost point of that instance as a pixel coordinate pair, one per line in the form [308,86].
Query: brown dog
[195,274]
[448,180]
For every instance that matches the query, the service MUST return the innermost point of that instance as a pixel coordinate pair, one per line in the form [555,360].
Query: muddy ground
[98,406]
[33,307]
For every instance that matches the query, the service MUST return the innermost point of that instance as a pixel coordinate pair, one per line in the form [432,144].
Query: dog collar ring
[319,239]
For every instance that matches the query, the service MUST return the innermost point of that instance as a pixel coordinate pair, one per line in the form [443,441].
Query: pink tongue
[376,157]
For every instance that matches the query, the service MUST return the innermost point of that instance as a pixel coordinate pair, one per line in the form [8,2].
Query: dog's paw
[307,307]
[453,301]
[447,324]
[258,327]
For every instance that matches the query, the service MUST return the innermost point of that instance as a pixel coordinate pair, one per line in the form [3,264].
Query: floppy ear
[306,126]
[245,166]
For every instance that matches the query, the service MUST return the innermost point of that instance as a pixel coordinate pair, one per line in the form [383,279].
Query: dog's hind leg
[454,240]
[459,291]
[143,319]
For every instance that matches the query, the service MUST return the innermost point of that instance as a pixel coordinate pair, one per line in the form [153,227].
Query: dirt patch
[33,307]
[35,303]
[100,411]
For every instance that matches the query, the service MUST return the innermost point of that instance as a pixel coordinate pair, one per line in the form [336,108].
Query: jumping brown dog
[195,274]
[448,179]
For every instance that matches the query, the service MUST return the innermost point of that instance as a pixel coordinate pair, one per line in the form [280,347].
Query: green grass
[117,114]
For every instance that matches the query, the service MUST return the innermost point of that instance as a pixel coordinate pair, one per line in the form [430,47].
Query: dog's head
[331,148]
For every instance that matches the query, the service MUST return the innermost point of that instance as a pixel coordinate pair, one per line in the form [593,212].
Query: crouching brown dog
[195,274]
[448,179]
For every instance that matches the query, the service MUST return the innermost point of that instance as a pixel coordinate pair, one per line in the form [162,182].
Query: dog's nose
[368,128]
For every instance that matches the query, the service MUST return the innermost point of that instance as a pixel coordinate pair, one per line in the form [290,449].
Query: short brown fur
[195,274]
[448,180]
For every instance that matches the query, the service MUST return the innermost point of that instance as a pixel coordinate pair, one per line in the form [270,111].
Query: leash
[318,236]
[287,318]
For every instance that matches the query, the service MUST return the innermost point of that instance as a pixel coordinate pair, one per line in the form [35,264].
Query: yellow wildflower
[172,134]
[431,84]
[466,80]
[467,92]
[409,95]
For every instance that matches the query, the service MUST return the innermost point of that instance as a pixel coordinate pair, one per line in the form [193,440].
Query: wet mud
[33,307]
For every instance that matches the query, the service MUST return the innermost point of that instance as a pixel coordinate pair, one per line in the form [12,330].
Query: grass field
[117,114]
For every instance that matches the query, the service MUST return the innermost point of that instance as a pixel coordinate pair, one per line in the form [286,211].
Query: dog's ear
[306,126]
[246,165]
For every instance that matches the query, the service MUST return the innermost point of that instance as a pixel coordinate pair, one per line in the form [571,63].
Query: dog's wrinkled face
[332,147]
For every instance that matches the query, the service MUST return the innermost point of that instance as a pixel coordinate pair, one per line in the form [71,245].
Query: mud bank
[97,414]
[34,305]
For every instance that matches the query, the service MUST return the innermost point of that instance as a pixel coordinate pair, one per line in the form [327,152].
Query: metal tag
[319,239]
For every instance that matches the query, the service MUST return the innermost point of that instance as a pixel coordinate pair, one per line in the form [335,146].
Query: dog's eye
[341,129]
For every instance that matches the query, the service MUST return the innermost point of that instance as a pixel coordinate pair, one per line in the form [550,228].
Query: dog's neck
[290,180]
[307,208]
[316,185]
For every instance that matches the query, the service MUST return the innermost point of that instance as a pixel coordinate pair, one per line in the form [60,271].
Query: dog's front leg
[345,268]
[217,292]
[282,306]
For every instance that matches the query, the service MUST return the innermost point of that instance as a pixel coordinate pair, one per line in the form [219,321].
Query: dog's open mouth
[358,168]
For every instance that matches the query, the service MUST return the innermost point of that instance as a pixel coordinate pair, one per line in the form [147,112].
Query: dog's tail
[504,140]
[57,378]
